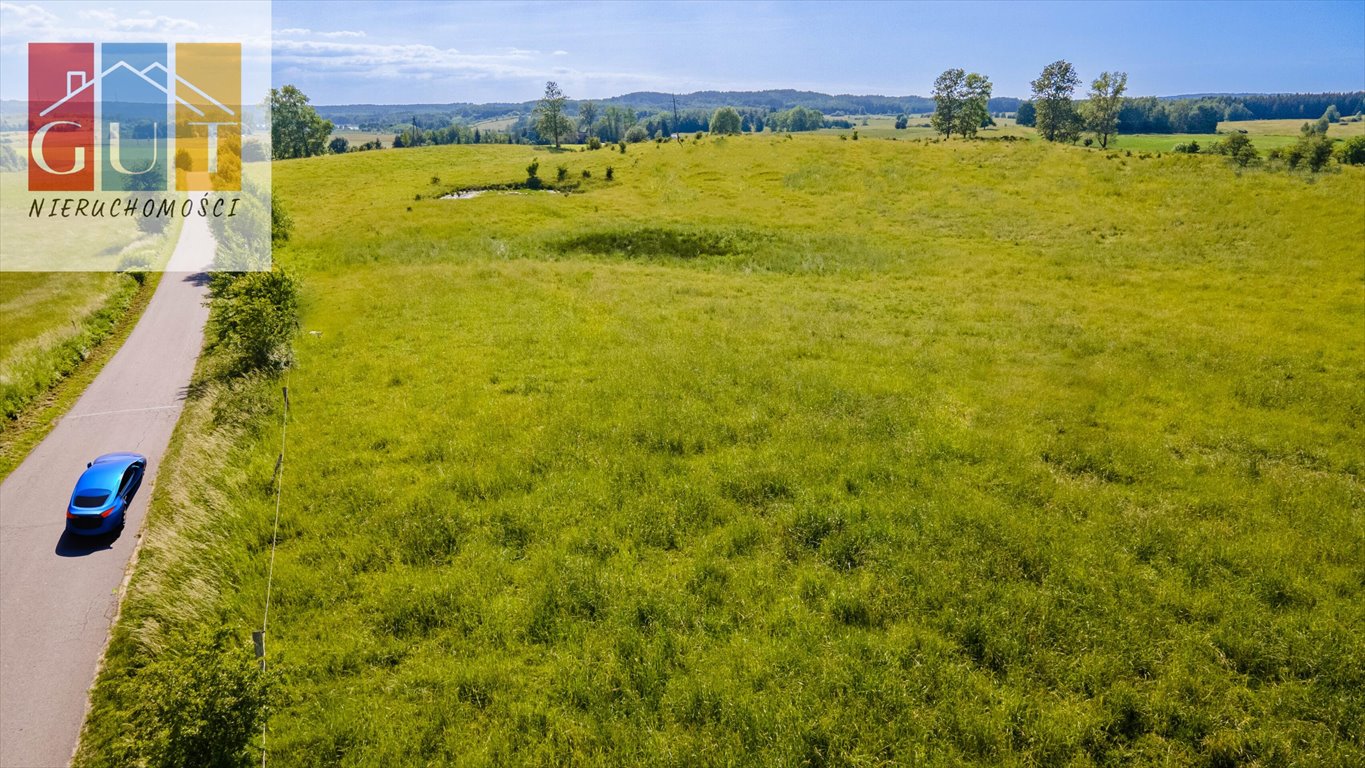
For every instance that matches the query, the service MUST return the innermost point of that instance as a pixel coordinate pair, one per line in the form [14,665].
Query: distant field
[1289,128]
[500,124]
[357,138]
[791,451]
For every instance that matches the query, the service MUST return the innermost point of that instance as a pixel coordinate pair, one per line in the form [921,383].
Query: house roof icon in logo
[79,76]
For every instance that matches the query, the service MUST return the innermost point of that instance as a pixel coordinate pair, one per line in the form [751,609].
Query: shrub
[1187,149]
[594,142]
[252,319]
[183,161]
[533,175]
[1352,152]
[339,145]
[561,173]
[152,225]
[201,704]
[611,173]
[1089,141]
[281,223]
[1240,149]
[621,146]
[587,174]
[636,134]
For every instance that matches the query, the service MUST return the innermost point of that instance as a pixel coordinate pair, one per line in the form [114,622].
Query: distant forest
[781,109]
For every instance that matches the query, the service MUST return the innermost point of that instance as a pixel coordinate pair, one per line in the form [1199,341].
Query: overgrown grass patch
[1029,456]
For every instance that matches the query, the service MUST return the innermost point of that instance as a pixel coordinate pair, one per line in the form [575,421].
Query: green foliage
[201,703]
[1332,115]
[1313,151]
[152,225]
[902,122]
[1352,151]
[338,145]
[611,173]
[636,134]
[253,317]
[550,119]
[1191,148]
[1102,109]
[296,129]
[960,101]
[1027,115]
[1055,114]
[725,120]
[594,143]
[561,173]
[1238,146]
[797,119]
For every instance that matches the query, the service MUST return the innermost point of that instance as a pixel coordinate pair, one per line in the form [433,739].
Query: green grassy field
[789,451]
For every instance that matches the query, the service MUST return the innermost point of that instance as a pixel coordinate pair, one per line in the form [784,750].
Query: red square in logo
[61,117]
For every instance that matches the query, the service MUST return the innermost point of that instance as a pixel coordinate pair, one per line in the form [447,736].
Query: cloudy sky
[428,52]
[412,52]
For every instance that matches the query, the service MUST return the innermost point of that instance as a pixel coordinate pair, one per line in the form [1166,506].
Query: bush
[533,175]
[1352,152]
[587,174]
[339,145]
[252,319]
[201,704]
[152,225]
[621,146]
[611,173]
[1188,149]
[594,142]
[281,223]
[1240,149]
[561,173]
[636,134]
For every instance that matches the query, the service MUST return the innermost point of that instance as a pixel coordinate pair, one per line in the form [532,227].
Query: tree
[1332,114]
[1056,115]
[901,122]
[550,119]
[1025,115]
[1102,111]
[587,115]
[949,93]
[725,120]
[973,114]
[296,129]
[339,145]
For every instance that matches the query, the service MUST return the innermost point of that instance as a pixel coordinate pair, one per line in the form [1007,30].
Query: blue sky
[408,52]
[399,52]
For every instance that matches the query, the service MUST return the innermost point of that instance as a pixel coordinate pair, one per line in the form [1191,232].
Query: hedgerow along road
[58,593]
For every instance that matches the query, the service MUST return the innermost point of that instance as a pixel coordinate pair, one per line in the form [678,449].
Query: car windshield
[90,498]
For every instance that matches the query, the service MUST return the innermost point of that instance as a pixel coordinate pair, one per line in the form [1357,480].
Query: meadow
[783,451]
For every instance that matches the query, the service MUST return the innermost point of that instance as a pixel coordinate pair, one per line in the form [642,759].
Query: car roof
[106,471]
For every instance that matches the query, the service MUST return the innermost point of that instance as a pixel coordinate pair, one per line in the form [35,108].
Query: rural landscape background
[756,426]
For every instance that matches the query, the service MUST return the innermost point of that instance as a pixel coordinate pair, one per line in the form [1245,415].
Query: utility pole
[677,123]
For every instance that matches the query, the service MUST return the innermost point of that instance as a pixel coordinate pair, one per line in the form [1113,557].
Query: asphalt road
[58,593]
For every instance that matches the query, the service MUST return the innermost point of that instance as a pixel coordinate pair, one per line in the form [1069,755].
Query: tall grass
[794,452]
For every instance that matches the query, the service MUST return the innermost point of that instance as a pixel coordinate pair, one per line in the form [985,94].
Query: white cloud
[26,18]
[305,32]
[560,53]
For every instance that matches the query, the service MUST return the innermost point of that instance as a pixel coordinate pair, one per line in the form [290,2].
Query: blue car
[104,492]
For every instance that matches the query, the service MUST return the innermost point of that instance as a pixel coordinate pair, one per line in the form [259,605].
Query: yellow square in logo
[208,116]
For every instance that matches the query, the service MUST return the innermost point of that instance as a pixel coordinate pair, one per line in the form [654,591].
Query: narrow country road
[58,593]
